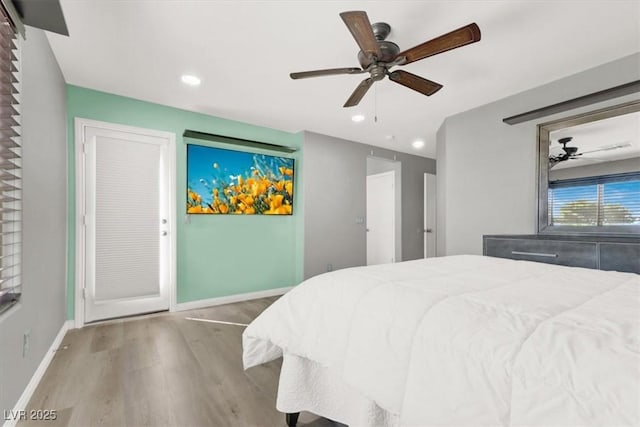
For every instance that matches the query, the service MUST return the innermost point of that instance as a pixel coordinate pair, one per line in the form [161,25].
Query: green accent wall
[216,255]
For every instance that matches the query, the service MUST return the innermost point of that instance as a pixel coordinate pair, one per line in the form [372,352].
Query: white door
[429,215]
[127,220]
[381,246]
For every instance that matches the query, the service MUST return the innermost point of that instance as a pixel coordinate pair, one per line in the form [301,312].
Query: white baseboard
[38,374]
[193,305]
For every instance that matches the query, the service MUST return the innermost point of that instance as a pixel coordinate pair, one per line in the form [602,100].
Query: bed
[458,340]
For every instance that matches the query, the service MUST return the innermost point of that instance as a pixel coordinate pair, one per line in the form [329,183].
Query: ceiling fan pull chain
[375,106]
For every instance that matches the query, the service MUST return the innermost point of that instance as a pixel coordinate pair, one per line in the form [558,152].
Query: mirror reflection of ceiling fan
[377,56]
[572,152]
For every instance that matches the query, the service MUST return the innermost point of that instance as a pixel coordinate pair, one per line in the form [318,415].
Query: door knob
[428,230]
[164,233]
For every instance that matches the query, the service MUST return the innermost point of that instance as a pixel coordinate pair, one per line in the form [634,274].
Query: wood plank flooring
[162,370]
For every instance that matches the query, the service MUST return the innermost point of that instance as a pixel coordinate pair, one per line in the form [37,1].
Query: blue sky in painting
[210,167]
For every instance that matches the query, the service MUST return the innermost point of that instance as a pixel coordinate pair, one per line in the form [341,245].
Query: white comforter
[469,340]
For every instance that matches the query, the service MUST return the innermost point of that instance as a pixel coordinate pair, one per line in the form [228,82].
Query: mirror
[589,172]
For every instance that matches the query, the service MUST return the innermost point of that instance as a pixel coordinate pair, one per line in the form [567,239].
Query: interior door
[127,212]
[381,246]
[429,215]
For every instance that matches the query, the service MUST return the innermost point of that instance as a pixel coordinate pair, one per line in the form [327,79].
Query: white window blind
[596,201]
[127,215]
[10,167]
[621,202]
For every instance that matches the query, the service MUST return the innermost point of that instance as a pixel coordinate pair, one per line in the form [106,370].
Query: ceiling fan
[377,55]
[572,152]
[569,152]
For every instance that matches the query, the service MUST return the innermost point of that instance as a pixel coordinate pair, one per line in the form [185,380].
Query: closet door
[381,221]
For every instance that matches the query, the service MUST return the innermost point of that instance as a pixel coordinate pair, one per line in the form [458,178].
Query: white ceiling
[244,51]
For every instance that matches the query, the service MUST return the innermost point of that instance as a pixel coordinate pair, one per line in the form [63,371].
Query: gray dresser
[599,252]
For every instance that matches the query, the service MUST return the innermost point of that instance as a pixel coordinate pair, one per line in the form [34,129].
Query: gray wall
[487,174]
[42,309]
[334,182]
[377,165]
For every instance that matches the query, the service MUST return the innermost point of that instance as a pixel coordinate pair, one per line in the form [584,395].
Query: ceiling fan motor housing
[571,150]
[389,50]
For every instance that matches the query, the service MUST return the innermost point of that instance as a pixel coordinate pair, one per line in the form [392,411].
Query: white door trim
[429,213]
[80,192]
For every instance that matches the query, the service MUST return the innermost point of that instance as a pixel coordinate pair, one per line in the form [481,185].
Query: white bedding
[468,340]
[307,386]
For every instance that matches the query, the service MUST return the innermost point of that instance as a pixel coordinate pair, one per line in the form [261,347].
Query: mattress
[468,340]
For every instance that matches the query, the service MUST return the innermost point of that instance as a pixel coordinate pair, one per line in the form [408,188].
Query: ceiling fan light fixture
[190,80]
[417,144]
[357,118]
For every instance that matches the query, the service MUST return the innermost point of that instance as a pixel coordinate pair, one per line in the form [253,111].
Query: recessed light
[357,118]
[190,80]
[417,144]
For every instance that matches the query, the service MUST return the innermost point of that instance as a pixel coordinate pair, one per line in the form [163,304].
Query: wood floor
[162,370]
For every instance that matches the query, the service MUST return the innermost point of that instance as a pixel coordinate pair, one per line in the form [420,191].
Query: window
[10,167]
[596,201]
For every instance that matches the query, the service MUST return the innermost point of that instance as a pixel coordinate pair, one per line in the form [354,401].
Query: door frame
[375,163]
[80,192]
[427,196]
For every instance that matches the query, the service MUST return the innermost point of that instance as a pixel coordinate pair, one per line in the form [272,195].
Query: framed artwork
[230,182]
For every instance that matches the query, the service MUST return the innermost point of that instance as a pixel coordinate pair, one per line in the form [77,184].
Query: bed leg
[292,419]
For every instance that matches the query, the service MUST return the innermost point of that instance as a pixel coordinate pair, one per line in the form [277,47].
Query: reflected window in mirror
[589,170]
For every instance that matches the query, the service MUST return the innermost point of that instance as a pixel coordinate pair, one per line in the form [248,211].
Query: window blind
[10,166]
[574,205]
[621,203]
[596,201]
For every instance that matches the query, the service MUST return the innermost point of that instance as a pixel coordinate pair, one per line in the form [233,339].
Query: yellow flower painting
[229,182]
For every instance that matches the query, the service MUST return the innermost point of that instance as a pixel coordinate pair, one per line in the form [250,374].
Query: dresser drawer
[620,257]
[575,254]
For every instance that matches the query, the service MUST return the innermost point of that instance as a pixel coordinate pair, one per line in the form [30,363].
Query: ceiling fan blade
[328,72]
[360,27]
[593,159]
[357,94]
[553,162]
[417,83]
[609,148]
[456,38]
